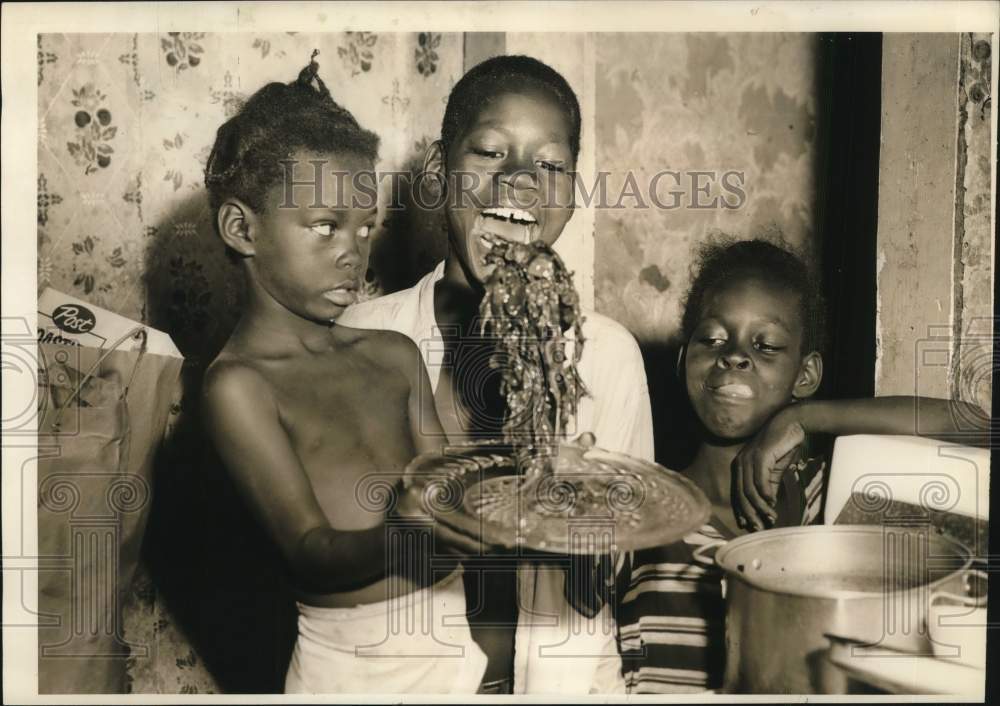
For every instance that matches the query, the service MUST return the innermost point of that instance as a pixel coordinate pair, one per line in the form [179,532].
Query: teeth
[510,214]
[488,242]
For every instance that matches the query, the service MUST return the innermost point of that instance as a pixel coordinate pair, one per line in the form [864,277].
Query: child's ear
[434,160]
[810,376]
[236,226]
[434,170]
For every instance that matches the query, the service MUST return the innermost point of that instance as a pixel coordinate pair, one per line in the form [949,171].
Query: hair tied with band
[311,73]
[274,123]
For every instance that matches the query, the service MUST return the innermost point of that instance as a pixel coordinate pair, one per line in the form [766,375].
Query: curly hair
[270,127]
[724,260]
[507,73]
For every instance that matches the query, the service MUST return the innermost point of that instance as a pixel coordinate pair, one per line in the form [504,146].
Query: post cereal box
[68,321]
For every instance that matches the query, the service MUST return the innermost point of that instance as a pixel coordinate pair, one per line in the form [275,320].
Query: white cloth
[416,643]
[557,651]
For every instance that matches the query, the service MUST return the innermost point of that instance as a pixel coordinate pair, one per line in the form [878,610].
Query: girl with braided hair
[315,421]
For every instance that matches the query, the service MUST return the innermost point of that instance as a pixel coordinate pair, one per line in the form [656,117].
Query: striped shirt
[671,609]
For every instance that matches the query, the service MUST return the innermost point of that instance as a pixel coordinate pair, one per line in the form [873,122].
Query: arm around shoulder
[943,419]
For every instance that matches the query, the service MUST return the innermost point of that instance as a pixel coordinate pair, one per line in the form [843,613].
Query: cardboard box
[68,321]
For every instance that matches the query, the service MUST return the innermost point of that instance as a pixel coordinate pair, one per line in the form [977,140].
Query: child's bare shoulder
[232,379]
[389,348]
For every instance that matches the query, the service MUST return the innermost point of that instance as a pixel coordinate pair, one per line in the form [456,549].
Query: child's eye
[551,166]
[364,232]
[767,347]
[485,152]
[325,229]
[712,341]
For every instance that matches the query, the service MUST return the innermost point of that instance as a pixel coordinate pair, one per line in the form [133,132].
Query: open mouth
[513,224]
[733,390]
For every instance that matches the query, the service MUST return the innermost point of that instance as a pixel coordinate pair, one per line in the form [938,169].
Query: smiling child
[312,418]
[753,325]
[509,143]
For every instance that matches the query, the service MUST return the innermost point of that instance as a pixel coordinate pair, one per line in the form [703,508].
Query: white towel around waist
[416,643]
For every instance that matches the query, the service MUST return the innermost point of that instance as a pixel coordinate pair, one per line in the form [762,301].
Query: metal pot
[787,588]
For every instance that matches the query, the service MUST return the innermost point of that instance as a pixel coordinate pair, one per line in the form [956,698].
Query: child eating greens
[509,143]
[306,413]
[751,363]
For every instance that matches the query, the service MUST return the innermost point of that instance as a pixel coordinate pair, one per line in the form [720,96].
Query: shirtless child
[312,418]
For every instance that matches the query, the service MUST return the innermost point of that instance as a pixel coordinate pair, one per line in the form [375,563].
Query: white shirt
[573,654]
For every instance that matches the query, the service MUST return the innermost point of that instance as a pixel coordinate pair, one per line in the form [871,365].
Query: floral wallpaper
[126,123]
[696,103]
[125,126]
[973,354]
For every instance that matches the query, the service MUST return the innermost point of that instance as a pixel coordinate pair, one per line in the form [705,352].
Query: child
[314,420]
[753,326]
[509,142]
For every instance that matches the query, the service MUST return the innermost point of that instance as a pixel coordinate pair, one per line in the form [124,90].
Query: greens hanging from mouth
[529,307]
[527,490]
